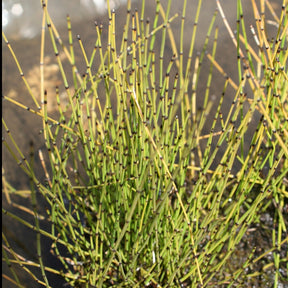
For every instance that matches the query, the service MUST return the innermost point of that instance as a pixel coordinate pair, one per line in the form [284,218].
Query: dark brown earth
[25,127]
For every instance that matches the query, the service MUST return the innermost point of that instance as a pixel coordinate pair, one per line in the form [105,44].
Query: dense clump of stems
[137,193]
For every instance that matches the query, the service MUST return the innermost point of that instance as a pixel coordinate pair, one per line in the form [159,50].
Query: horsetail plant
[137,194]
